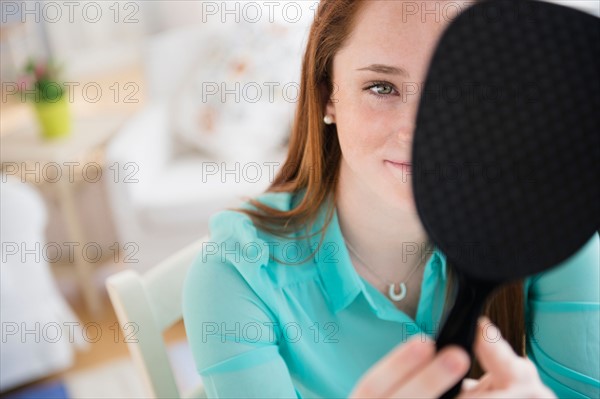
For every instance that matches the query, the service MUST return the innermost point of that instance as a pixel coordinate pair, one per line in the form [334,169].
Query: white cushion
[191,189]
[241,96]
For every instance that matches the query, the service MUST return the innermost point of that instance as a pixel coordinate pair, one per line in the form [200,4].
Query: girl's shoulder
[234,224]
[238,250]
[574,279]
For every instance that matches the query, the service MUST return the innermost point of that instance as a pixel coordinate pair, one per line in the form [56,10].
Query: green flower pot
[54,118]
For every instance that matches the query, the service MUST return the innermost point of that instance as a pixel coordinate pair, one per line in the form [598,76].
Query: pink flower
[40,70]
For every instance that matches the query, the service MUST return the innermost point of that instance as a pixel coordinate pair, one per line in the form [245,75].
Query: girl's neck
[390,239]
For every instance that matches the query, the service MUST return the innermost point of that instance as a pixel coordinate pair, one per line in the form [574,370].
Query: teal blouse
[259,327]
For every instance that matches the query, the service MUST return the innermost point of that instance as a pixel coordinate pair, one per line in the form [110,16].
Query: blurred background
[124,125]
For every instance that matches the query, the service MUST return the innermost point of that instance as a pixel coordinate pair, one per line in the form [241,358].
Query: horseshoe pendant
[397,297]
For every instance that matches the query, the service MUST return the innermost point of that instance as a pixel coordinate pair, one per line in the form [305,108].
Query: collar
[340,281]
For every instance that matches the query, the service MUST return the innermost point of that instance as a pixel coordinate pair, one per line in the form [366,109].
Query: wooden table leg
[83,268]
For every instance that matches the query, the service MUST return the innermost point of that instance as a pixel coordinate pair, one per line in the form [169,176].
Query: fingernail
[488,326]
[497,331]
[452,361]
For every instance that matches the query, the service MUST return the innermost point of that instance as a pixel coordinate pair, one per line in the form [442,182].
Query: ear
[330,109]
[331,103]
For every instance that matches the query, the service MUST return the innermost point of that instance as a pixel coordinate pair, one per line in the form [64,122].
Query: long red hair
[314,155]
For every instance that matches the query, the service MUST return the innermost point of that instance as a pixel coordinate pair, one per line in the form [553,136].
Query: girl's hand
[507,375]
[416,370]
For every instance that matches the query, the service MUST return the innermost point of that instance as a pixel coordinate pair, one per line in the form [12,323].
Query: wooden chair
[152,303]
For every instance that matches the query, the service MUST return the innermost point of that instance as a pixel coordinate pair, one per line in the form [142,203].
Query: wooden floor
[111,344]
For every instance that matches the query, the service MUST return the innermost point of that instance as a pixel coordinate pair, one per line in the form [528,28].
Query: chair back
[147,305]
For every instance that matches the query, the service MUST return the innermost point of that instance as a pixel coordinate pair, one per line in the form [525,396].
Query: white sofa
[174,186]
[36,320]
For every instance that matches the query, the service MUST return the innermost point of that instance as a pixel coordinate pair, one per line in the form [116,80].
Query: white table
[24,145]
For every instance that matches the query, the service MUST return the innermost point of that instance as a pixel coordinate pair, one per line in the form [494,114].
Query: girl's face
[378,77]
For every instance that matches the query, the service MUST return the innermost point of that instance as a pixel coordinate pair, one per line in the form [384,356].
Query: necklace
[391,285]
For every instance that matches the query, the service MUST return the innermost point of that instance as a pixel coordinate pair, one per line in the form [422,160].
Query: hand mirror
[506,151]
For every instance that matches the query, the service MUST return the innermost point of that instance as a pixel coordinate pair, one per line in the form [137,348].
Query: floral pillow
[240,97]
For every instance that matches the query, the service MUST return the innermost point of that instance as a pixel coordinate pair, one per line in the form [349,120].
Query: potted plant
[40,85]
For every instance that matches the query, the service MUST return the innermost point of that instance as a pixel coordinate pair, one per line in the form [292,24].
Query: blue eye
[382,89]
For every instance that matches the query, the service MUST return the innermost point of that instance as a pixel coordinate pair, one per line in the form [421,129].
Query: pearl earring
[328,119]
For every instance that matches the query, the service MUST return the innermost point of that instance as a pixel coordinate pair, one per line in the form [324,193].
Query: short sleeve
[232,332]
[563,322]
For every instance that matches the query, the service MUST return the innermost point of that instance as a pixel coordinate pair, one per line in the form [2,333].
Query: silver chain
[375,274]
